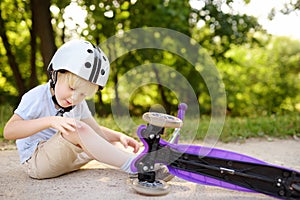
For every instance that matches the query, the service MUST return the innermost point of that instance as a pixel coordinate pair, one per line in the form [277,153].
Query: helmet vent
[90,51]
[104,58]
[102,72]
[87,65]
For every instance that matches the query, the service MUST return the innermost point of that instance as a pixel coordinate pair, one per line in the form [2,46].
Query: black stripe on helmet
[94,69]
[98,71]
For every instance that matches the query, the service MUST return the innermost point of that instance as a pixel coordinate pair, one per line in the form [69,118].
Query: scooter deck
[212,166]
[237,175]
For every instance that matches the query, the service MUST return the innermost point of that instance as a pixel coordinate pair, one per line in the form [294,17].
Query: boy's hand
[128,141]
[64,124]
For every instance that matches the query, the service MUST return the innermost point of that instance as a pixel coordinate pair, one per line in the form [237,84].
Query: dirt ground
[96,181]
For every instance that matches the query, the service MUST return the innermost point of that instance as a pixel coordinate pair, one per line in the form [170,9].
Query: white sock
[126,166]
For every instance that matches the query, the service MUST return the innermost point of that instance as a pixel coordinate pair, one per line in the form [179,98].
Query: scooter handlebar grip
[182,107]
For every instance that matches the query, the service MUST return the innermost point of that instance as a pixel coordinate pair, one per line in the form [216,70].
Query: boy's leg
[105,152]
[100,149]
[55,157]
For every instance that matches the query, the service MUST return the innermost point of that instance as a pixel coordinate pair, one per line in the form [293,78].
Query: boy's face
[66,95]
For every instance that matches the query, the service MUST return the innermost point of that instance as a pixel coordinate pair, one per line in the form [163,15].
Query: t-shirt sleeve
[27,109]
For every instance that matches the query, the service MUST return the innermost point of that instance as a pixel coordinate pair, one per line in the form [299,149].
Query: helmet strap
[53,79]
[61,109]
[53,76]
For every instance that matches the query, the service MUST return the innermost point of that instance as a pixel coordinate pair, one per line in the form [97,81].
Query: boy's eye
[72,88]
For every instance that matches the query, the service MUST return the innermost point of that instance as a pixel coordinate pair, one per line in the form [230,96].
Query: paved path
[97,181]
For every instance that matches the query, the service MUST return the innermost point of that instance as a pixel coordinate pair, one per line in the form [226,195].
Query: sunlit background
[280,24]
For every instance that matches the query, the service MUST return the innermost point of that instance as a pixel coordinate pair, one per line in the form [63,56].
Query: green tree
[113,17]
[222,28]
[19,34]
[36,30]
[11,27]
[262,80]
[291,6]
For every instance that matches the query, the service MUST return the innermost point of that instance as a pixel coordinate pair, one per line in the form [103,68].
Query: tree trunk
[165,102]
[42,18]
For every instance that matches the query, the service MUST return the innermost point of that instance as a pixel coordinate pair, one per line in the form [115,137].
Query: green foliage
[276,126]
[167,14]
[6,112]
[235,128]
[114,17]
[261,76]
[262,80]
[291,6]
[18,25]
[242,128]
[222,29]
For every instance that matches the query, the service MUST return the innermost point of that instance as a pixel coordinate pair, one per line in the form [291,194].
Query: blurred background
[254,44]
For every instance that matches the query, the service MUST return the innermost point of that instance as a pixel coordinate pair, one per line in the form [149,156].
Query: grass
[234,129]
[275,126]
[6,112]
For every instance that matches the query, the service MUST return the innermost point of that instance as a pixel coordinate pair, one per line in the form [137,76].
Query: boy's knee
[74,137]
[84,128]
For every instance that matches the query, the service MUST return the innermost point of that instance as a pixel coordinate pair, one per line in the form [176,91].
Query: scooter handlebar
[182,107]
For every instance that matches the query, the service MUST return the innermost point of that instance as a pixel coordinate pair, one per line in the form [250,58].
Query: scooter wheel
[157,188]
[162,120]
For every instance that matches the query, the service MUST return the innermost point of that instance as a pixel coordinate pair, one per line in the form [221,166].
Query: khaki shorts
[55,157]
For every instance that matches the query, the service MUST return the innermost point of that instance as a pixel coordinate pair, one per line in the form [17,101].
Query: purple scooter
[203,165]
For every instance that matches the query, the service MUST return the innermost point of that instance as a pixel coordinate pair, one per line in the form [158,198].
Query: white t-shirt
[38,103]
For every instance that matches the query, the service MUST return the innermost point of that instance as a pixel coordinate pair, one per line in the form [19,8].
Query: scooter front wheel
[157,188]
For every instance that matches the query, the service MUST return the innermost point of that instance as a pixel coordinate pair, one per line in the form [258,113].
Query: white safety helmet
[83,59]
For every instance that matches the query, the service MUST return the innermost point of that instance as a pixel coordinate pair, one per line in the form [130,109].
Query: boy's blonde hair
[80,84]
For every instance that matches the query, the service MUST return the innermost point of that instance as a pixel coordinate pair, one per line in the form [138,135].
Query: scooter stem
[182,107]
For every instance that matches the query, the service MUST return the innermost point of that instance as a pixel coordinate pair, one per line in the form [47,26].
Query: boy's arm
[17,127]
